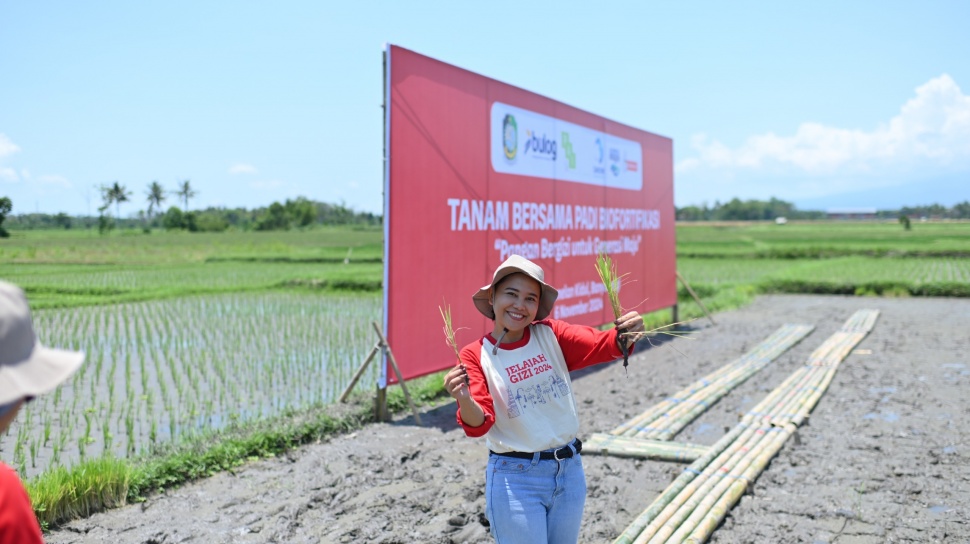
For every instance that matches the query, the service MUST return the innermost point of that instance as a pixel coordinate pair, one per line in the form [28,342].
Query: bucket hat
[27,368]
[517,263]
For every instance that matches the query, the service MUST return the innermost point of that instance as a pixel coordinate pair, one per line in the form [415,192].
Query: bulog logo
[510,137]
[541,147]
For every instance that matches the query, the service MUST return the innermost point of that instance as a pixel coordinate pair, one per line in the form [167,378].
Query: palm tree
[118,193]
[185,192]
[156,195]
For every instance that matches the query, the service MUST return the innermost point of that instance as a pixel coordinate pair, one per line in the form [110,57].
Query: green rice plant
[55,455]
[47,430]
[606,270]
[33,452]
[87,426]
[201,359]
[106,436]
[62,494]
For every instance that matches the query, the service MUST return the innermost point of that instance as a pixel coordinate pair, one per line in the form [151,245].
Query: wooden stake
[696,298]
[360,372]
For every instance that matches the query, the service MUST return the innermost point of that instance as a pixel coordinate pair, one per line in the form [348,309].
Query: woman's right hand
[455,383]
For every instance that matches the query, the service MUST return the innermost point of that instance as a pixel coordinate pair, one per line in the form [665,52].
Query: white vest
[532,394]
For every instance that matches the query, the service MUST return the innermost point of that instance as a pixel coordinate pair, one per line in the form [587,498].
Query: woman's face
[515,301]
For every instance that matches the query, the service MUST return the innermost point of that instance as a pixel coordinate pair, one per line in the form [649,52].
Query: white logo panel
[526,143]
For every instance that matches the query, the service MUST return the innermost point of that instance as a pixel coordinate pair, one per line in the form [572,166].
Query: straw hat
[27,368]
[517,263]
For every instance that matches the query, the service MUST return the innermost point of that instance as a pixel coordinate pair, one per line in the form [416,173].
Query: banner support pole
[380,403]
[397,371]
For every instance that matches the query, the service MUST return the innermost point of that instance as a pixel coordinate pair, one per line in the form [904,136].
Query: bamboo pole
[360,372]
[678,484]
[681,507]
[764,408]
[732,495]
[770,439]
[666,526]
[707,500]
[622,446]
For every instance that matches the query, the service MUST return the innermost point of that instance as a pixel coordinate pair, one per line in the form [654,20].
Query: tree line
[768,210]
[300,212]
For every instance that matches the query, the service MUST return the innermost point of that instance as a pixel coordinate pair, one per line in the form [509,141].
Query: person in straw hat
[27,369]
[513,388]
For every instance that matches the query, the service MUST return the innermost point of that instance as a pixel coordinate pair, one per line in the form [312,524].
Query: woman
[513,388]
[27,369]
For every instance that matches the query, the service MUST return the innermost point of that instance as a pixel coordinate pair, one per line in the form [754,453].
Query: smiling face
[515,301]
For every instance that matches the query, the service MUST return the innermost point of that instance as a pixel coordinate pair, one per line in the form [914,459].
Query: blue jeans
[533,501]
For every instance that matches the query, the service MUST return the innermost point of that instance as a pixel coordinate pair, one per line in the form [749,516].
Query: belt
[562,453]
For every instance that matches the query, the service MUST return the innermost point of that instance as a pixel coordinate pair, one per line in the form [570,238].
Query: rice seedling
[606,270]
[174,367]
[612,282]
[449,331]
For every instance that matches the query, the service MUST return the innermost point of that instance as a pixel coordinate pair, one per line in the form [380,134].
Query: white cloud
[9,175]
[242,168]
[7,147]
[932,128]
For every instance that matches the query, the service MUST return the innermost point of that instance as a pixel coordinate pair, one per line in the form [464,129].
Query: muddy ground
[883,458]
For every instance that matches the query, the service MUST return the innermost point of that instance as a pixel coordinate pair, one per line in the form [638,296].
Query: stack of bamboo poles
[695,503]
[667,418]
[646,435]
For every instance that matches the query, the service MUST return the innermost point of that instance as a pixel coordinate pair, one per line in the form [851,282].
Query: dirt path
[884,457]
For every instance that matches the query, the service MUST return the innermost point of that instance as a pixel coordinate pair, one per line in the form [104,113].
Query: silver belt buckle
[555,454]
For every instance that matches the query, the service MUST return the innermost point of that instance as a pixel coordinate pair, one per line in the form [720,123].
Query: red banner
[478,170]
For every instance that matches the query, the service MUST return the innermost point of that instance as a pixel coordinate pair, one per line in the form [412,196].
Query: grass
[822,239]
[854,275]
[68,269]
[132,247]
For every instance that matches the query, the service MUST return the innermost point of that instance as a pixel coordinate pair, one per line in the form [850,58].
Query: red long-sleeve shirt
[18,525]
[524,388]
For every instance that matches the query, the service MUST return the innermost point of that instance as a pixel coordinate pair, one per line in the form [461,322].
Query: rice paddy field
[190,333]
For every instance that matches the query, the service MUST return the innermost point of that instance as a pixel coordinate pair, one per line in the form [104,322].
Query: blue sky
[824,104]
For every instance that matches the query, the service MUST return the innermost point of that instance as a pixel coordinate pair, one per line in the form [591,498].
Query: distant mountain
[945,191]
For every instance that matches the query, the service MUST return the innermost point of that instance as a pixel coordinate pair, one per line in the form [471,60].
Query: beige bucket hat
[517,263]
[27,368]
